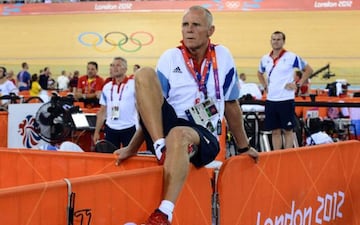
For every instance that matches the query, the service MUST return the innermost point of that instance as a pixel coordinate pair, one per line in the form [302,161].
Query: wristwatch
[242,150]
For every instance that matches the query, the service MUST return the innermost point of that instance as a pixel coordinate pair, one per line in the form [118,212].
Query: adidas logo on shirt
[177,70]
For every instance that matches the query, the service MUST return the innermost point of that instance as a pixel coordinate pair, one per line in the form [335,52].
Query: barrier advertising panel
[313,185]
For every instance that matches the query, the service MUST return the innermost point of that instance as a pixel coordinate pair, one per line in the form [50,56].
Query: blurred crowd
[83,87]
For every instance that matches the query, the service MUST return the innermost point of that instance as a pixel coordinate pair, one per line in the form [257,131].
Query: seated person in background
[11,76]
[6,87]
[66,146]
[35,87]
[90,86]
[316,135]
[303,89]
[253,90]
[341,87]
[74,81]
[242,79]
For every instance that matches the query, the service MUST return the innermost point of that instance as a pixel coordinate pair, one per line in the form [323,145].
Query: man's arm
[79,90]
[100,118]
[234,118]
[262,81]
[131,149]
[90,95]
[306,74]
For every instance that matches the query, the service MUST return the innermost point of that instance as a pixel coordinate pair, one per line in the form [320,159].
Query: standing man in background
[196,74]
[63,81]
[44,78]
[24,77]
[90,86]
[117,106]
[279,66]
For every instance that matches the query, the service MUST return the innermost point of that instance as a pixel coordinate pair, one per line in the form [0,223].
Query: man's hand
[78,95]
[122,154]
[96,137]
[252,152]
[290,86]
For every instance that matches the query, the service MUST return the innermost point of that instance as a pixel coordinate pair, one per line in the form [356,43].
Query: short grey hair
[122,59]
[208,14]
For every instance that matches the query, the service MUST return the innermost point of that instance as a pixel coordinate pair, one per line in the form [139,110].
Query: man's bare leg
[276,139]
[177,162]
[289,139]
[149,100]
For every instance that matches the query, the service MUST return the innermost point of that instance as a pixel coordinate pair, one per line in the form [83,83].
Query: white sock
[158,145]
[167,207]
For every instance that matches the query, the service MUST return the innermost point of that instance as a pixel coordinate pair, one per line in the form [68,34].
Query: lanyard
[120,88]
[276,60]
[90,85]
[202,78]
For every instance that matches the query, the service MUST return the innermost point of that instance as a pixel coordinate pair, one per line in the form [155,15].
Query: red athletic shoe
[158,218]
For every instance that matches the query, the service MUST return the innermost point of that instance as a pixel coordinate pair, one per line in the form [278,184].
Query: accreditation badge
[203,113]
[115,112]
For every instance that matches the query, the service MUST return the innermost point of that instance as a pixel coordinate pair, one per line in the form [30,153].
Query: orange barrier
[4,133]
[301,111]
[34,166]
[106,197]
[313,185]
[131,196]
[34,204]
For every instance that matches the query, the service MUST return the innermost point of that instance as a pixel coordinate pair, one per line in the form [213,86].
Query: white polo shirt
[124,97]
[6,88]
[279,74]
[180,88]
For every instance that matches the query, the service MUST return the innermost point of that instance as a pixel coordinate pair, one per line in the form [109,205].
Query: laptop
[84,121]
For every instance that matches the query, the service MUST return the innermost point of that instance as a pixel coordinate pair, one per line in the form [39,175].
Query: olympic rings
[104,50]
[142,32]
[121,42]
[132,40]
[96,40]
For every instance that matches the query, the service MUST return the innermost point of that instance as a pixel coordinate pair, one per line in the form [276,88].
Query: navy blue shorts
[207,149]
[280,115]
[119,137]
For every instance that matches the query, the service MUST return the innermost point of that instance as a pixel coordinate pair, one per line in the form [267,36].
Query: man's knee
[183,135]
[288,132]
[143,75]
[276,132]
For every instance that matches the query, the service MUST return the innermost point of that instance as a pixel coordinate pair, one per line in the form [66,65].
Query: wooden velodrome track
[67,41]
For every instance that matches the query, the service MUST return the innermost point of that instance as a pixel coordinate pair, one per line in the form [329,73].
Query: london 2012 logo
[29,130]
